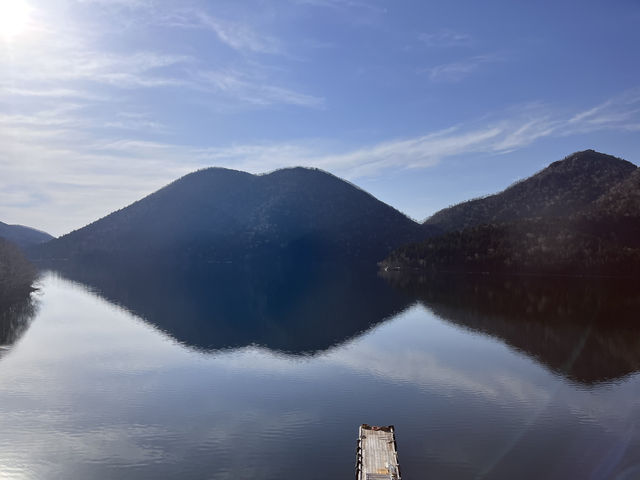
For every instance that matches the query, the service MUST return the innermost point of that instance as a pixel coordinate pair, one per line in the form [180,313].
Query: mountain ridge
[23,236]
[591,225]
[219,214]
[562,188]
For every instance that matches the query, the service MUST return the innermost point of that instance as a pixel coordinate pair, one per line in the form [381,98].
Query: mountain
[622,199]
[220,215]
[564,188]
[583,218]
[23,236]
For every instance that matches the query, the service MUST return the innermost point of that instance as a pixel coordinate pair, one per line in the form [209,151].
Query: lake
[248,375]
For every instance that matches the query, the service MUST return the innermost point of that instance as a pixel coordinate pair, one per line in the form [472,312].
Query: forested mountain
[597,233]
[23,236]
[564,188]
[220,215]
[622,200]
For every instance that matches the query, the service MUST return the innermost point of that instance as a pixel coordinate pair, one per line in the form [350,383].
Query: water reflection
[584,329]
[95,392]
[285,306]
[15,319]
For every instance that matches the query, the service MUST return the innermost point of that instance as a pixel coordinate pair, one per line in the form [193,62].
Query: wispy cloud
[84,128]
[135,121]
[620,112]
[56,93]
[457,71]
[120,3]
[254,90]
[446,38]
[71,171]
[239,36]
[58,65]
[365,13]
[48,62]
[343,4]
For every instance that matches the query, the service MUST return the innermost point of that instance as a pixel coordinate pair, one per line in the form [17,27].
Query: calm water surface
[534,387]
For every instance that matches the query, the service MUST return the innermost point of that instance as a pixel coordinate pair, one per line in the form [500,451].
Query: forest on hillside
[576,246]
[580,215]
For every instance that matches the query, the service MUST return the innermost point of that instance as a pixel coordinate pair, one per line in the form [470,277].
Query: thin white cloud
[71,170]
[51,63]
[254,90]
[621,112]
[74,62]
[446,38]
[239,36]
[57,93]
[134,121]
[342,4]
[120,3]
[457,71]
[60,142]
[67,67]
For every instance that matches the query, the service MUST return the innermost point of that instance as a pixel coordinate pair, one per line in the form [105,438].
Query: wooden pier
[377,454]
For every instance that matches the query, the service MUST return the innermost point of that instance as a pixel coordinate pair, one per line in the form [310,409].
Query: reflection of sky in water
[92,392]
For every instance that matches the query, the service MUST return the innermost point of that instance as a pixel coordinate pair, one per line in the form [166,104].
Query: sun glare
[13,17]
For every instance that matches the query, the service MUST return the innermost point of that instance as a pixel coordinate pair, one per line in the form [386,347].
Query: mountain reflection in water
[15,319]
[586,329]
[92,391]
[291,307]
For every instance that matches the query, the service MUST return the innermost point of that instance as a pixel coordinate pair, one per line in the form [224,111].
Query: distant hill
[221,215]
[579,226]
[23,236]
[564,188]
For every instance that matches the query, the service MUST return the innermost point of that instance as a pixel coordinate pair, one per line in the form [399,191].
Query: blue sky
[424,104]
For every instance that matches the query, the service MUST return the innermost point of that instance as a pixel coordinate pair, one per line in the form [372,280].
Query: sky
[422,103]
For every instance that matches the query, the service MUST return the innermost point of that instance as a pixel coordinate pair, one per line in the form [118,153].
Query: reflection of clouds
[101,390]
[427,371]
[416,357]
[91,388]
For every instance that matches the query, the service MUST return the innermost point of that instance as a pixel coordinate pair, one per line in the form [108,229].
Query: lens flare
[14,15]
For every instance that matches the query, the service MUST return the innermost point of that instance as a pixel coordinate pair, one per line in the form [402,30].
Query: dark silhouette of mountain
[583,329]
[23,236]
[580,227]
[562,189]
[219,215]
[17,274]
[295,307]
[573,246]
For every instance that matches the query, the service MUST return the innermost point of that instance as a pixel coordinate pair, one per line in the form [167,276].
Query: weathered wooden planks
[377,454]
